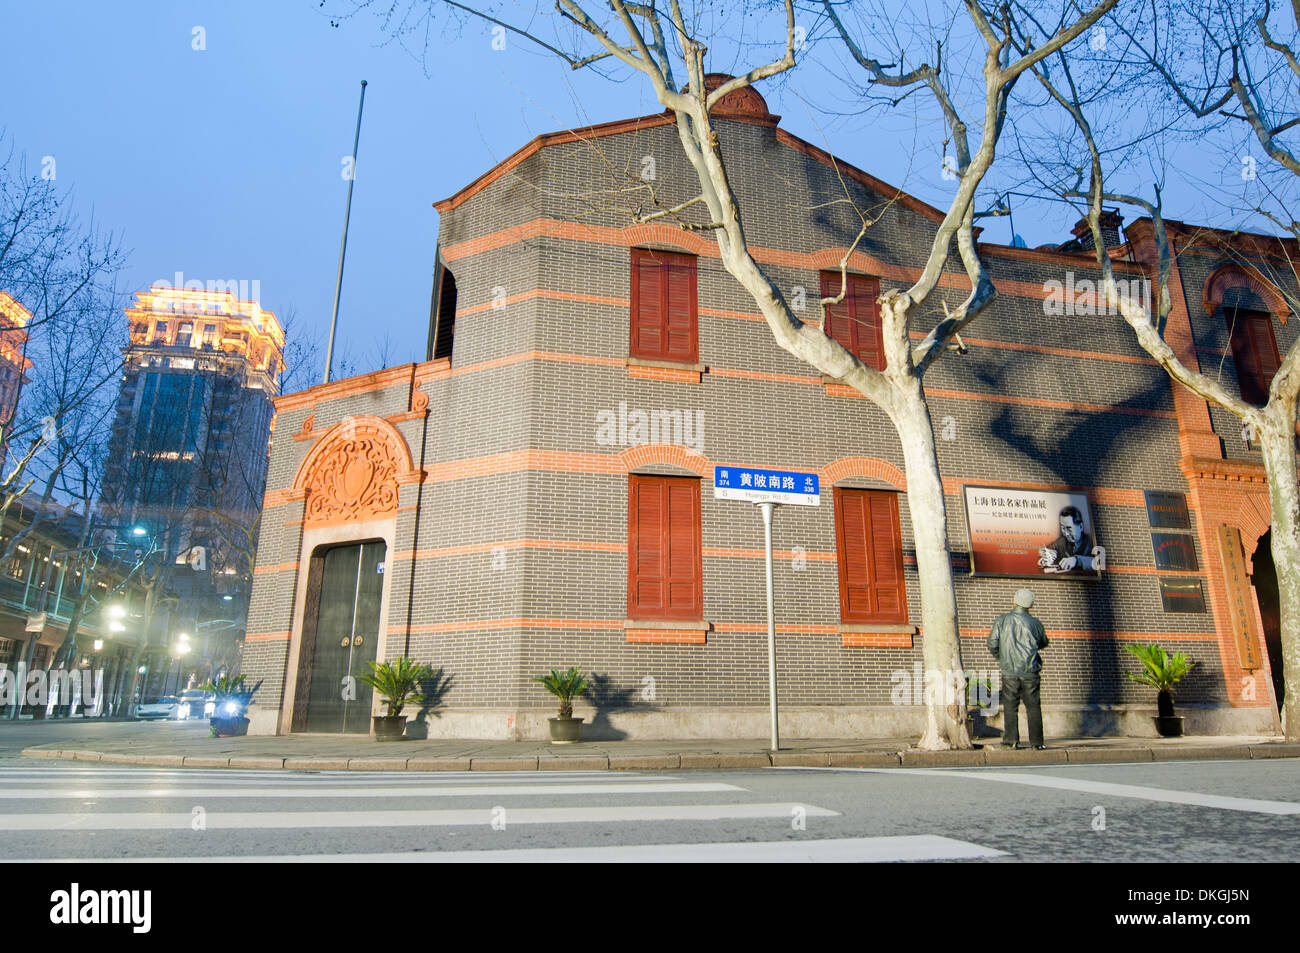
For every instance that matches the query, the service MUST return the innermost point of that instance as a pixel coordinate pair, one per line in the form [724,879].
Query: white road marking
[229,820]
[425,790]
[282,776]
[1141,792]
[847,850]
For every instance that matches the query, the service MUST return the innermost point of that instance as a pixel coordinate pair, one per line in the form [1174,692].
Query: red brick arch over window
[846,467]
[1234,276]
[649,454]
[354,472]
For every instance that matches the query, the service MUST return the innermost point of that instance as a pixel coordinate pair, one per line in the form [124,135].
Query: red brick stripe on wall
[544,293]
[759,554]
[1105,496]
[833,390]
[763,376]
[671,374]
[876,640]
[1060,351]
[471,548]
[667,636]
[693,243]
[267,637]
[281,567]
[476,625]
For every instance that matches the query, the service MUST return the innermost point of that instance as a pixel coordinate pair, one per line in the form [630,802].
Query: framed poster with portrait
[1036,533]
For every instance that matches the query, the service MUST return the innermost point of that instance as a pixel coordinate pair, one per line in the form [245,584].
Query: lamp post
[180,648]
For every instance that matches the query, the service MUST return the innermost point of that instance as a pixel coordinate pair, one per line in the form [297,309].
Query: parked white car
[164,707]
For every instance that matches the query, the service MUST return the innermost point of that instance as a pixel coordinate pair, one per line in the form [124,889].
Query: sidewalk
[188,745]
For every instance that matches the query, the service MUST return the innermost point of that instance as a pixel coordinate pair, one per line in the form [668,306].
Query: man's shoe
[1008,744]
[1040,747]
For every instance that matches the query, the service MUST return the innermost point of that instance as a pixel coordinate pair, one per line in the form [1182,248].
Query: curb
[911,758]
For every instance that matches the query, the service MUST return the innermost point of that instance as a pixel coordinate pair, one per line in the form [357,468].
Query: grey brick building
[539,493]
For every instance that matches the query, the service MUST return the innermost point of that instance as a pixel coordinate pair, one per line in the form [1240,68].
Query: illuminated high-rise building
[14,364]
[188,453]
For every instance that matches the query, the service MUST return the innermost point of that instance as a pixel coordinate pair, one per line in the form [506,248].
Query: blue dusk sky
[225,162]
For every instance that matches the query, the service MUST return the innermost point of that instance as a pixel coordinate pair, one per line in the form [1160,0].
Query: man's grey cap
[1024,598]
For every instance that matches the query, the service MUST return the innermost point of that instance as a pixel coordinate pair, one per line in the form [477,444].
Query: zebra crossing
[79,813]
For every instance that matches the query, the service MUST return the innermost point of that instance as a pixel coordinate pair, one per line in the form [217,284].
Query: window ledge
[666,631]
[881,628]
[671,371]
[669,365]
[880,636]
[667,624]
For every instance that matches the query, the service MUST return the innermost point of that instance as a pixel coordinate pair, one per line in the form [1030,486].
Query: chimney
[1110,223]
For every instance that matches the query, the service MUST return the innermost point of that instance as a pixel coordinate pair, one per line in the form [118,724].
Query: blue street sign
[755,485]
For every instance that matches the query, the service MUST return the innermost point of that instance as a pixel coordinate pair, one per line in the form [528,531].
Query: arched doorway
[340,636]
[1263,575]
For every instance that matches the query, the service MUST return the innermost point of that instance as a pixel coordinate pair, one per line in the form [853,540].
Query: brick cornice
[348,387]
[1232,471]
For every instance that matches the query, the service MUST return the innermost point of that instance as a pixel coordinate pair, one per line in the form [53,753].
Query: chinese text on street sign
[766,486]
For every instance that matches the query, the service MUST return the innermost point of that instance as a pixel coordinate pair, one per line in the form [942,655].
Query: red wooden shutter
[887,592]
[839,317]
[664,307]
[647,305]
[1254,351]
[645,560]
[870,555]
[665,577]
[866,316]
[855,321]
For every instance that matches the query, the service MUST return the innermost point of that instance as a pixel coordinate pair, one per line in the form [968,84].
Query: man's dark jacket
[1015,640]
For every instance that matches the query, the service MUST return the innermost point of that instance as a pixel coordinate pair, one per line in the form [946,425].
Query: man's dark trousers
[1013,690]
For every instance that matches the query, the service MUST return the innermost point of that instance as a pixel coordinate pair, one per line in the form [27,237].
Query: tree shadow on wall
[434,689]
[1076,456]
[607,698]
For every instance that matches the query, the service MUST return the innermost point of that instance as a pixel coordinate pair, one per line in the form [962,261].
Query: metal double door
[347,638]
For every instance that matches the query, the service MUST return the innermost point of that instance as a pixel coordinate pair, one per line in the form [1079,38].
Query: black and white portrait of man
[1072,551]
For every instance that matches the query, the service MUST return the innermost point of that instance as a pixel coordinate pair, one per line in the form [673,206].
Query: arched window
[1247,307]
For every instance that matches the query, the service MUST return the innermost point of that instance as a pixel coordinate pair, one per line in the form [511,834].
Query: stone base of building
[811,721]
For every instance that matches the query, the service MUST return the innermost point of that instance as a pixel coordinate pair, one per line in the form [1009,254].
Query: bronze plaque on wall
[1174,551]
[1241,605]
[1182,595]
[1167,510]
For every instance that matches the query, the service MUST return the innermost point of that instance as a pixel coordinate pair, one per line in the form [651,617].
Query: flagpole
[343,247]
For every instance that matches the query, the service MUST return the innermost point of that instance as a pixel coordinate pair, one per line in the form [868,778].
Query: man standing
[1015,640]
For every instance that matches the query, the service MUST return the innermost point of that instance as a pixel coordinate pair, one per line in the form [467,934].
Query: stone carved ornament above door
[353,473]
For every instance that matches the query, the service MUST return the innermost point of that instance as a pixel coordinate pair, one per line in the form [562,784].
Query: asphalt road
[1234,811]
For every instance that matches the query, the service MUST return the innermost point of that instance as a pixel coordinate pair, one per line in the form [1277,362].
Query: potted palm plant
[231,701]
[1161,671]
[566,686]
[398,684]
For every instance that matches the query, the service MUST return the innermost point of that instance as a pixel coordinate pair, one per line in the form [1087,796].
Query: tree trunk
[945,698]
[150,603]
[67,653]
[1277,439]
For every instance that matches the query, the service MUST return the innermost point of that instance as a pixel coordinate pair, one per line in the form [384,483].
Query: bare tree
[1223,65]
[67,276]
[668,47]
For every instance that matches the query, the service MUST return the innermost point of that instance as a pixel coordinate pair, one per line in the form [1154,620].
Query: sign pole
[768,489]
[768,509]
